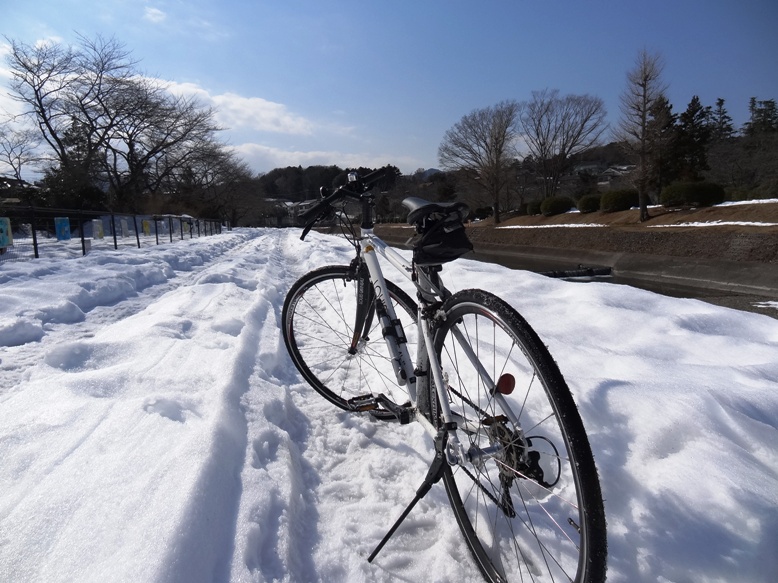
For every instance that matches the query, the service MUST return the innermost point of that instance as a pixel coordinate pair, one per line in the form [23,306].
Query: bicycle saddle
[421,209]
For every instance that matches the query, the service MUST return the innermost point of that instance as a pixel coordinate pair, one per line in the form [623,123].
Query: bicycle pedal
[363,403]
[403,413]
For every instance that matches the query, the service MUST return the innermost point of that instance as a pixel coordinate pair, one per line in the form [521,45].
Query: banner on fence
[62,227]
[125,229]
[97,229]
[146,227]
[6,236]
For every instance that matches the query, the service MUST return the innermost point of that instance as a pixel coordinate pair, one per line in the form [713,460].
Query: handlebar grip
[374,176]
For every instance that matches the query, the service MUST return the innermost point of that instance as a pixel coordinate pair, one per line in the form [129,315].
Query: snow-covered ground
[554,226]
[718,224]
[153,428]
[689,224]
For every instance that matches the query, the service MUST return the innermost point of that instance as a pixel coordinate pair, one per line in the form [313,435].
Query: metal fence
[32,232]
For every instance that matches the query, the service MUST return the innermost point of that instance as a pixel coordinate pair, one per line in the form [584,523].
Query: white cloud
[154,15]
[49,41]
[243,116]
[259,114]
[5,50]
[8,106]
[248,113]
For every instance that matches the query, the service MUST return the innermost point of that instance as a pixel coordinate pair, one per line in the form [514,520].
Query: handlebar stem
[368,202]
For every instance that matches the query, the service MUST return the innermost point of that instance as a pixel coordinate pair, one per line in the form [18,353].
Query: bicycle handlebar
[321,209]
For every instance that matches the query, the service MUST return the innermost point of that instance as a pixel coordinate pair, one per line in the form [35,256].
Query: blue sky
[374,82]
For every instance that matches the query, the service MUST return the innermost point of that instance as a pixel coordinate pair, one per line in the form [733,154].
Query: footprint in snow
[70,357]
[265,449]
[168,408]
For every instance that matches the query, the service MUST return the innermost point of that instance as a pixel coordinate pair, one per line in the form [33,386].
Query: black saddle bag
[440,238]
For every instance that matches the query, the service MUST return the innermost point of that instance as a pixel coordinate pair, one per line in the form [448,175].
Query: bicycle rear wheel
[530,507]
[319,317]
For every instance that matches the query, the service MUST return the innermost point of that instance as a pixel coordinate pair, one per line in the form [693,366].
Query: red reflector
[506,384]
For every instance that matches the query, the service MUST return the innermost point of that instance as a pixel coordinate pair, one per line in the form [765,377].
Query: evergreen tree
[764,117]
[721,123]
[74,183]
[694,134]
[662,136]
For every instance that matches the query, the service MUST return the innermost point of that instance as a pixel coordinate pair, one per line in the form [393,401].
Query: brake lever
[307,229]
[313,221]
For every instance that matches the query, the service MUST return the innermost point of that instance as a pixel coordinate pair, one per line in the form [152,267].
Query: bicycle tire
[318,321]
[557,531]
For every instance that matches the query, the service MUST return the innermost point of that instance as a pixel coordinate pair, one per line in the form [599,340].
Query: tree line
[107,137]
[558,131]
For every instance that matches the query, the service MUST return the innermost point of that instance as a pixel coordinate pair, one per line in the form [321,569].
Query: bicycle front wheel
[529,503]
[319,318]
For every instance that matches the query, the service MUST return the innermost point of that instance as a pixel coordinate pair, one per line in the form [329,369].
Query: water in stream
[729,299]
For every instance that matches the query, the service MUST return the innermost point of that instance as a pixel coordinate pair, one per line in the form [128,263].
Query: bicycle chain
[468,401]
[498,503]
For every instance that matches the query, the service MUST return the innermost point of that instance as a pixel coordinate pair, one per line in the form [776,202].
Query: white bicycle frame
[371,247]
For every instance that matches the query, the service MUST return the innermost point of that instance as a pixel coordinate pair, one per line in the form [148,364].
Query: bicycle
[510,446]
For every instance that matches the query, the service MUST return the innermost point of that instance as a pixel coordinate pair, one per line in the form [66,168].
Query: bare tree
[556,128]
[212,181]
[17,147]
[154,136]
[111,133]
[483,143]
[644,88]
[68,89]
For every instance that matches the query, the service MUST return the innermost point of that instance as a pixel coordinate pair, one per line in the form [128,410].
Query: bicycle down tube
[391,328]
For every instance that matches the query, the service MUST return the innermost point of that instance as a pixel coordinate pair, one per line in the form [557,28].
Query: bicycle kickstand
[434,474]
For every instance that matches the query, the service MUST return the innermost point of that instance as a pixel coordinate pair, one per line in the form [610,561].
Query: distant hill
[429,172]
[610,155]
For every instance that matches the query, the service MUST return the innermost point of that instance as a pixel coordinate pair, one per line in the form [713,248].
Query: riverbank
[726,254]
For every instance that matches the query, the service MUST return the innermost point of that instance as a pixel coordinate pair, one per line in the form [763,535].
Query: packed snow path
[152,427]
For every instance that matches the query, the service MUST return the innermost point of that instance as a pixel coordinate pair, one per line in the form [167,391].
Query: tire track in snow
[307,467]
[130,384]
[277,517]
[208,530]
